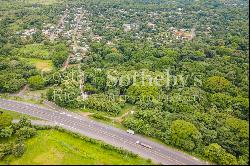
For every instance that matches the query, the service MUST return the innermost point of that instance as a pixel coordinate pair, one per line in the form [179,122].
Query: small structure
[151,25]
[183,34]
[97,38]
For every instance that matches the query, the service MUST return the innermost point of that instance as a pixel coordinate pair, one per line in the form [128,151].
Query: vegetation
[100,116]
[182,65]
[13,136]
[15,115]
[41,65]
[22,143]
[54,147]
[36,82]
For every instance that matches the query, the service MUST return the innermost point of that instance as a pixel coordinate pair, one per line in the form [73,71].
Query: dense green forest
[182,65]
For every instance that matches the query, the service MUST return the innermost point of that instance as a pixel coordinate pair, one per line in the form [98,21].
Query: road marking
[42,113]
[106,133]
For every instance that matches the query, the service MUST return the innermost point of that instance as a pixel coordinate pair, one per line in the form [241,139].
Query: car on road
[130,132]
[143,144]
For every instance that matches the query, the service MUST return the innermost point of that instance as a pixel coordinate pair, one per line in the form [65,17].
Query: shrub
[18,149]
[36,82]
[26,132]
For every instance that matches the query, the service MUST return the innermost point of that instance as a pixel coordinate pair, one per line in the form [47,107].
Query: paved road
[116,137]
[38,122]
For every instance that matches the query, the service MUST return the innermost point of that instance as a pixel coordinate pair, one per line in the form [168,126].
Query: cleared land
[40,64]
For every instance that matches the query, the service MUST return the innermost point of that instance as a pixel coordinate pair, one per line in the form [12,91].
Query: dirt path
[66,63]
[193,33]
[119,119]
[60,23]
[23,90]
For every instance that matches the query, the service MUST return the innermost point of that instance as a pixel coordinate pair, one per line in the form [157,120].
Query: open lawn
[54,147]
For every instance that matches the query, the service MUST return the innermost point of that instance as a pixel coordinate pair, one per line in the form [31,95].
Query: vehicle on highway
[130,132]
[144,145]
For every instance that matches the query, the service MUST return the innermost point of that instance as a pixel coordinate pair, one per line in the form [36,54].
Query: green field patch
[44,2]
[17,115]
[34,51]
[40,64]
[54,147]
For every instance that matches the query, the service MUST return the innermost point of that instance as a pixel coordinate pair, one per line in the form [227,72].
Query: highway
[159,153]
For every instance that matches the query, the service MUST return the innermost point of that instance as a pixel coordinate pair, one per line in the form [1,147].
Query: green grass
[127,108]
[44,2]
[111,120]
[36,92]
[17,98]
[54,147]
[40,64]
[16,115]
[34,51]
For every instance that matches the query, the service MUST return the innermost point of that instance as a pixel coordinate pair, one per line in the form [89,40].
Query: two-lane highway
[116,137]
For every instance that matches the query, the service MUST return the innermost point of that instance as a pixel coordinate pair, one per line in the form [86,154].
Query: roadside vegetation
[182,66]
[22,143]
[55,147]
[13,136]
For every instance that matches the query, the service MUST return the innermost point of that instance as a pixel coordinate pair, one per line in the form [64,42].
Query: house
[151,25]
[110,43]
[127,27]
[97,38]
[29,32]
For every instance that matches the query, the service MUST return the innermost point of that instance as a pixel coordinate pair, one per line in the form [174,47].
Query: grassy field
[34,51]
[54,147]
[40,64]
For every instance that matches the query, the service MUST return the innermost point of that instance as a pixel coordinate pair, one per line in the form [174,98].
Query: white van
[130,132]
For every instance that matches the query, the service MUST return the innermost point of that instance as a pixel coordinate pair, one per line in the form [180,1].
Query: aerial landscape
[124,82]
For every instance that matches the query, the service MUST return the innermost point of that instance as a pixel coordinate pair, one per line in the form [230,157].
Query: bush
[100,116]
[59,58]
[23,122]
[184,135]
[36,82]
[18,149]
[5,120]
[26,132]
[5,149]
[6,132]
[218,155]
[102,104]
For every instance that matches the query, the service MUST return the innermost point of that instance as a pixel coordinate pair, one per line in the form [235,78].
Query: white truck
[130,132]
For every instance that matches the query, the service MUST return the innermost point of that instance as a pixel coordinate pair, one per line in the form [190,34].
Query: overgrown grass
[23,99]
[40,64]
[55,147]
[101,116]
[34,51]
[44,2]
